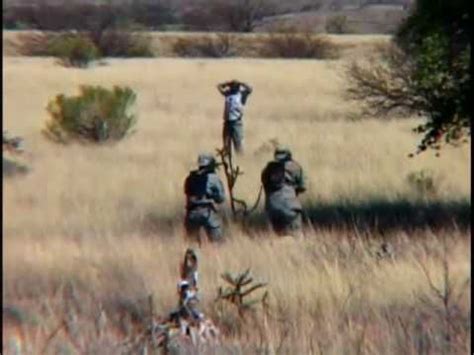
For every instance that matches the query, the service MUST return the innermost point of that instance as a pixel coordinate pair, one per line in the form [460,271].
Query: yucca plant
[96,115]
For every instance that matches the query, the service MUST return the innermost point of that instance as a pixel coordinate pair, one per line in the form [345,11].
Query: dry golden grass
[162,42]
[98,217]
[299,103]
[323,291]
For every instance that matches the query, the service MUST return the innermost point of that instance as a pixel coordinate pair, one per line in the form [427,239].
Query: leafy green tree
[426,71]
[437,37]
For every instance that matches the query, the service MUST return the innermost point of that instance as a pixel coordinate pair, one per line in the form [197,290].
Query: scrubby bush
[226,15]
[84,47]
[35,43]
[219,46]
[423,183]
[297,45]
[121,43]
[337,24]
[73,50]
[96,115]
[86,16]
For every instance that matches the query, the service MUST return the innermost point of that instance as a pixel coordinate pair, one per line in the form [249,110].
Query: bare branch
[383,83]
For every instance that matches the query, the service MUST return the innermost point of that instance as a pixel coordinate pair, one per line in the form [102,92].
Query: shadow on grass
[383,215]
[374,215]
[392,215]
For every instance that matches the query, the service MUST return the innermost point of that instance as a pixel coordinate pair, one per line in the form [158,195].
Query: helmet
[282,154]
[206,160]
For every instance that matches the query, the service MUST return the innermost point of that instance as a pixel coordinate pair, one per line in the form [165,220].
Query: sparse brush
[96,115]
[423,183]
[337,24]
[218,46]
[241,286]
[445,305]
[297,45]
[124,44]
[76,50]
[80,49]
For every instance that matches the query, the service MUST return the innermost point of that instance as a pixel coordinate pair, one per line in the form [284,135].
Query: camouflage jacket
[278,175]
[203,189]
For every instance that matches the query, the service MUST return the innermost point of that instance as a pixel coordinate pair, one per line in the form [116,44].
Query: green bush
[96,115]
[427,72]
[73,50]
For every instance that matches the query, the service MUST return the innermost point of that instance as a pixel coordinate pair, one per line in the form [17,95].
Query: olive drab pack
[273,177]
[196,184]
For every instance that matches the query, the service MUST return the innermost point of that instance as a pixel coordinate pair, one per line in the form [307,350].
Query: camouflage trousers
[203,217]
[233,134]
[289,223]
[285,213]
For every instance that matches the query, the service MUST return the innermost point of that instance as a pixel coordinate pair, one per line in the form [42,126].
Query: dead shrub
[297,45]
[121,43]
[337,24]
[423,183]
[384,84]
[34,43]
[109,43]
[218,46]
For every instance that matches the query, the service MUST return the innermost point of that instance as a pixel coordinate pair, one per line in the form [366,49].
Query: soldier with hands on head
[236,94]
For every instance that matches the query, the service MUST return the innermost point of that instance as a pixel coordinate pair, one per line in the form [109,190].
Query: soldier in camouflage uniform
[283,181]
[204,189]
[236,94]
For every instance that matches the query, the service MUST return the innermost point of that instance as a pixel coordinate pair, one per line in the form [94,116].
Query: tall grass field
[94,229]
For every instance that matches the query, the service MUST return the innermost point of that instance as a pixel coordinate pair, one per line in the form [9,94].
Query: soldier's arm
[264,176]
[217,191]
[247,90]
[300,181]
[222,87]
[186,186]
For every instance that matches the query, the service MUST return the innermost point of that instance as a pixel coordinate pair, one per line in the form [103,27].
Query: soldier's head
[206,162]
[234,86]
[282,154]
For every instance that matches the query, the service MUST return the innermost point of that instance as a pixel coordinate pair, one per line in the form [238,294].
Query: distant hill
[370,18]
[360,16]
